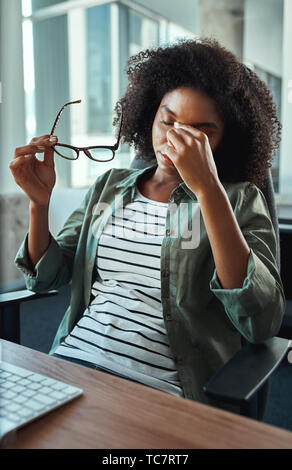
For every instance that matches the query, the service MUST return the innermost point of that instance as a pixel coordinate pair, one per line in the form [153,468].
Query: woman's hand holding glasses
[36,178]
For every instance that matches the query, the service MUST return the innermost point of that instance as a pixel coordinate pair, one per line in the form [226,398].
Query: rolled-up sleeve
[43,276]
[54,268]
[257,308]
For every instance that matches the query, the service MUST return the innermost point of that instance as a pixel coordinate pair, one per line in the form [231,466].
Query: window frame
[284,196]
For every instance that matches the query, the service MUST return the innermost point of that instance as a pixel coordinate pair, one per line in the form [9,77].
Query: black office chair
[243,381]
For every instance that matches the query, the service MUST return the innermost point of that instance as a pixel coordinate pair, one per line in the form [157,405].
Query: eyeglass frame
[113,148]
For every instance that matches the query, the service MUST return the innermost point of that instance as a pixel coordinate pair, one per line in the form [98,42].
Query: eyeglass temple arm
[59,115]
[119,136]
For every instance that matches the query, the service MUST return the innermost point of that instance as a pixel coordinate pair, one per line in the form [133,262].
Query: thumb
[49,157]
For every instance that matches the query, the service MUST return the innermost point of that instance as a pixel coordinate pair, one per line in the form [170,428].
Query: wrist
[213,189]
[36,207]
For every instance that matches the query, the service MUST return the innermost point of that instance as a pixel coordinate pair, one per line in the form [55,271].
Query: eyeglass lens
[98,154]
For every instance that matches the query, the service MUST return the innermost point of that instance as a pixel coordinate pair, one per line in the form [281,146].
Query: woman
[145,305]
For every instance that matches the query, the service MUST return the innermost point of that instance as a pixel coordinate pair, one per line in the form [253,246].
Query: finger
[33,148]
[42,137]
[22,161]
[192,130]
[27,149]
[49,157]
[45,140]
[176,140]
[188,138]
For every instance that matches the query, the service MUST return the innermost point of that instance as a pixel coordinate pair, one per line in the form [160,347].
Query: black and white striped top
[123,328]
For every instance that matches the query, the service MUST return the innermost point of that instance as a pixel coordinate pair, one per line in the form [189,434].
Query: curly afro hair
[252,129]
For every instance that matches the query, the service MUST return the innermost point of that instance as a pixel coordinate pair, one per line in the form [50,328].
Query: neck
[162,178]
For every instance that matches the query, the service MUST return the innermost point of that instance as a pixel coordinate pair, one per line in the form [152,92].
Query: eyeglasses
[96,153]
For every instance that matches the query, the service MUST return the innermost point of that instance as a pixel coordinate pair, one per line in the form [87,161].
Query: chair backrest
[268,192]
[63,202]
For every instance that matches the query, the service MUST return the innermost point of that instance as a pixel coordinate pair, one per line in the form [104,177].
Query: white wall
[263,31]
[12,122]
[183,12]
[223,20]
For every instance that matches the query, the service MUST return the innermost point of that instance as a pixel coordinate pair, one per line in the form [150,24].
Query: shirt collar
[133,177]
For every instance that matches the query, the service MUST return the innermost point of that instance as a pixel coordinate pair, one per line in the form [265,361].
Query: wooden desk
[118,414]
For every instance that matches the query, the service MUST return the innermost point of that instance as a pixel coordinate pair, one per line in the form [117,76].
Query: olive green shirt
[204,322]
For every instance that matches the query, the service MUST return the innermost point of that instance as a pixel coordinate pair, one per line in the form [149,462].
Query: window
[38,4]
[81,53]
[143,32]
[99,71]
[73,51]
[263,52]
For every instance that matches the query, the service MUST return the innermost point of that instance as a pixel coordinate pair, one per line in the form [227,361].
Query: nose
[168,141]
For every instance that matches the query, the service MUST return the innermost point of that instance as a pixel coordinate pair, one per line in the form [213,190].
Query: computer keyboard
[25,396]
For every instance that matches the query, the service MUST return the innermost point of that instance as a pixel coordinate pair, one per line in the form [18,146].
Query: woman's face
[186,106]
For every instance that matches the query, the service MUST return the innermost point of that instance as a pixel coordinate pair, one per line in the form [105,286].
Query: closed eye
[167,123]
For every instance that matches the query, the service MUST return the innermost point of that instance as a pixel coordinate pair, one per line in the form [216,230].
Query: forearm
[229,247]
[39,236]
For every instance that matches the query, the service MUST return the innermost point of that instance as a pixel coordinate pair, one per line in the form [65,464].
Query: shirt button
[166,273]
[168,232]
[168,316]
